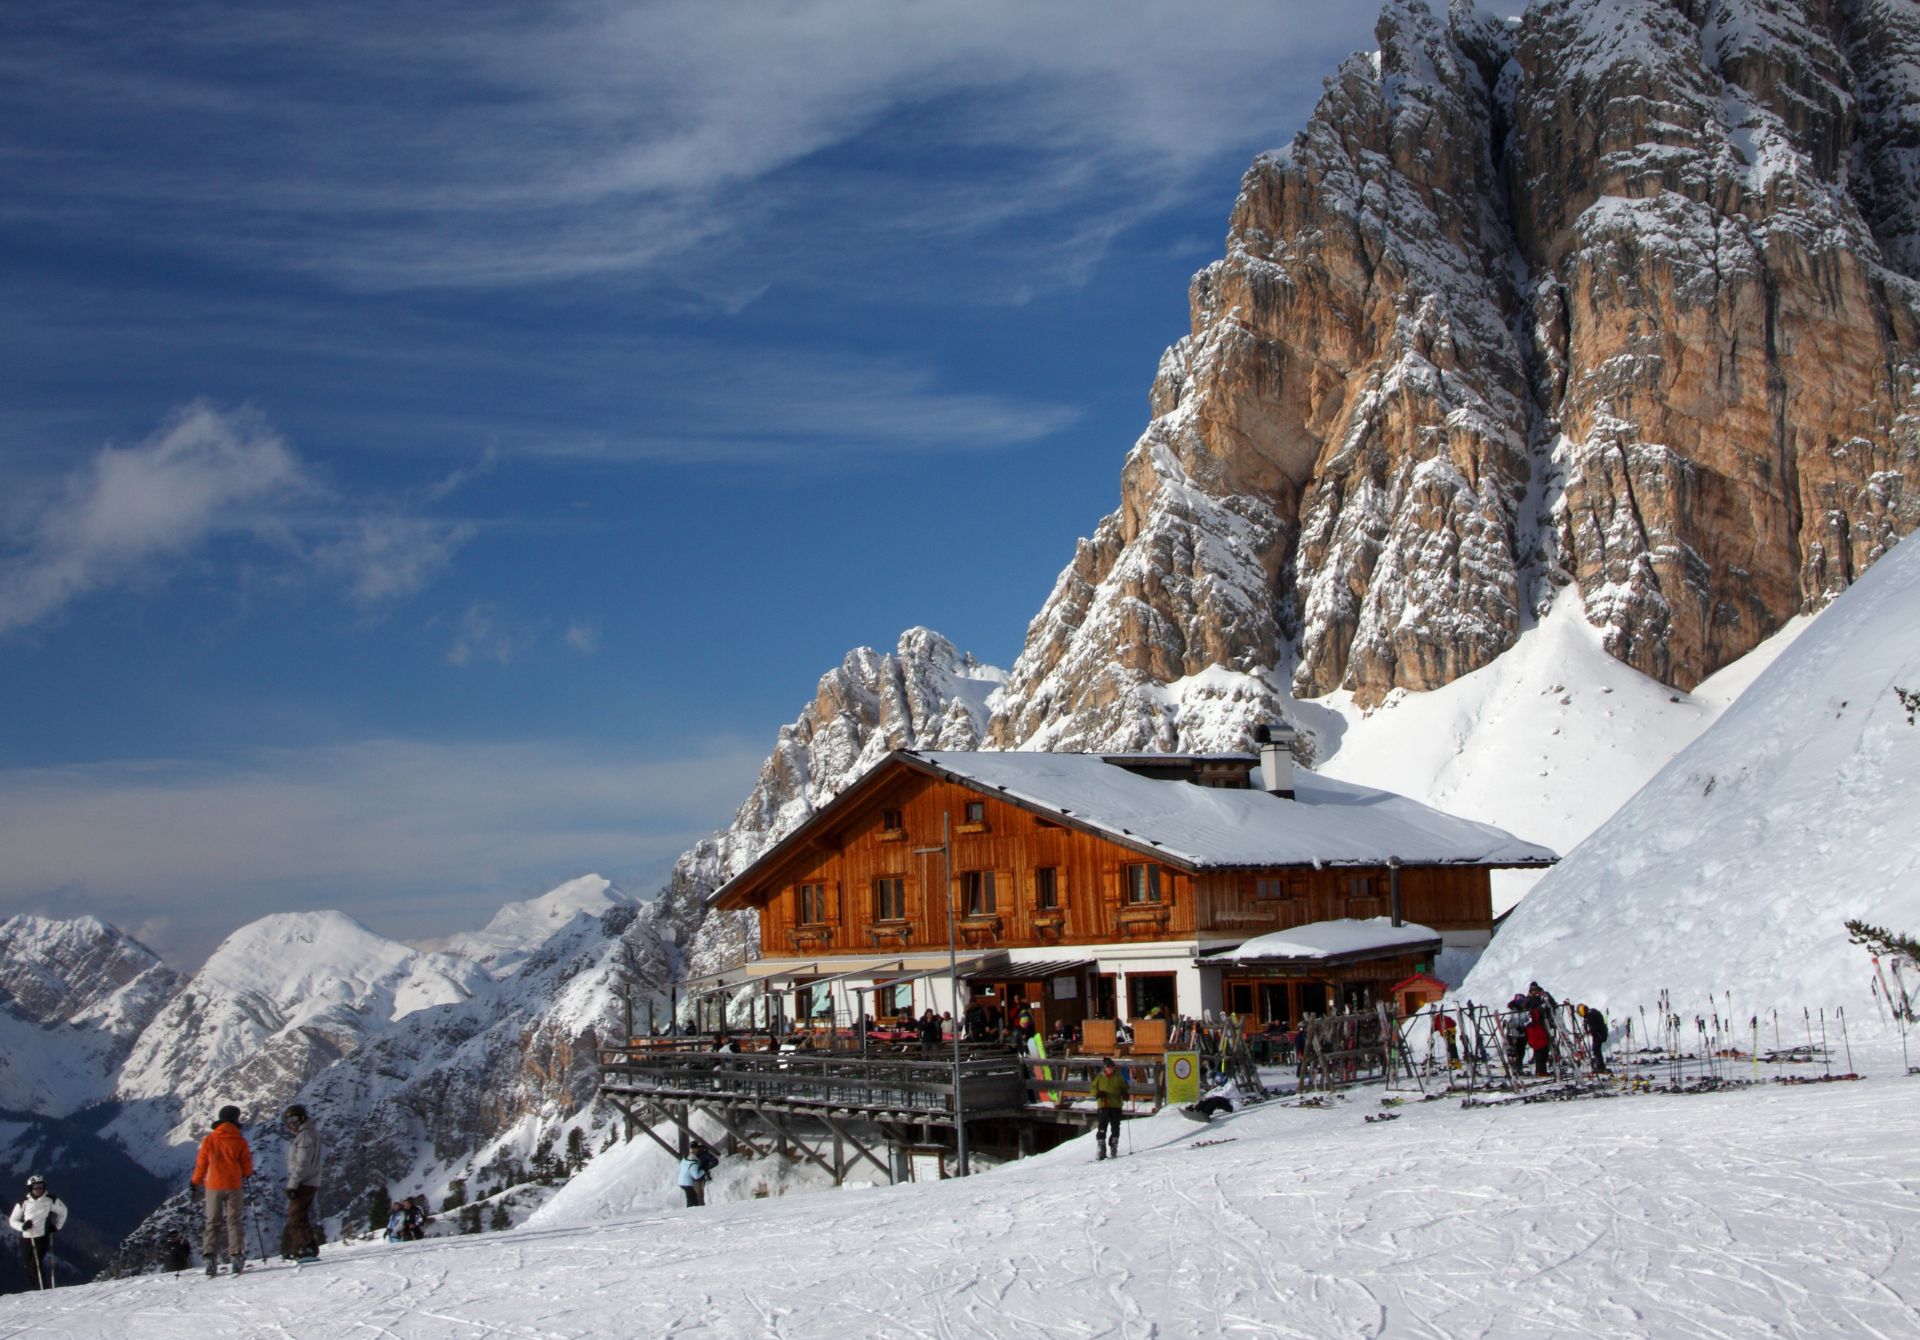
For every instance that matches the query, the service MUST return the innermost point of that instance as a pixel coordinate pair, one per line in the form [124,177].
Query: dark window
[1147,990]
[976,811]
[890,899]
[1046,888]
[1143,883]
[893,821]
[1271,886]
[977,893]
[813,904]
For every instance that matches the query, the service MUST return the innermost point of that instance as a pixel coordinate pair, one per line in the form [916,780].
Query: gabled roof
[1327,822]
[1196,828]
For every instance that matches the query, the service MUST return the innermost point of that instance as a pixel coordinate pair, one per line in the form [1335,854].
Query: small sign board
[1183,1078]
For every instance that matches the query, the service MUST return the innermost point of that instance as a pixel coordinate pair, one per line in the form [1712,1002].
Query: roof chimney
[1276,757]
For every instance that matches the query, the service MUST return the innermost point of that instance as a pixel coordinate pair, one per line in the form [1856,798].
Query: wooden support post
[841,1134]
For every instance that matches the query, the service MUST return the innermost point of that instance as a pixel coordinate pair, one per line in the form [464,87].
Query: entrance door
[1275,1005]
[1240,1001]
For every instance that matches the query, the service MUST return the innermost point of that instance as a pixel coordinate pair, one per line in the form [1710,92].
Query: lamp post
[953,982]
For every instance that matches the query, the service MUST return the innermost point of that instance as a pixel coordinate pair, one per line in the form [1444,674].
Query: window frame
[881,892]
[979,894]
[1151,888]
[812,898]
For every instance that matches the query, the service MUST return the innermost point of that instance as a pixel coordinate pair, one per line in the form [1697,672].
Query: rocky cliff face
[925,694]
[1620,295]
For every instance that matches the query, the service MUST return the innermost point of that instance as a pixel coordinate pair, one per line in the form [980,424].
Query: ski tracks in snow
[1779,1213]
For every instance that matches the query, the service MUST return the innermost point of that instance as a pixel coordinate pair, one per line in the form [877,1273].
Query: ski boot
[239,1264]
[213,1266]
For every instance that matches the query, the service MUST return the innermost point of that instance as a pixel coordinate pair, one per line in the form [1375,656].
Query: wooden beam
[865,1153]
[740,1137]
[798,1143]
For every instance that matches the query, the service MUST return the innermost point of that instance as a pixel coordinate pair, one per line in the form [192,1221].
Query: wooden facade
[865,878]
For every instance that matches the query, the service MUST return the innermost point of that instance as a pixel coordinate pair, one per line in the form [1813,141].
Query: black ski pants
[34,1253]
[696,1194]
[1107,1127]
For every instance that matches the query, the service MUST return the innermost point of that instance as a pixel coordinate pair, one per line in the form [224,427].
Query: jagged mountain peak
[1589,298]
[521,928]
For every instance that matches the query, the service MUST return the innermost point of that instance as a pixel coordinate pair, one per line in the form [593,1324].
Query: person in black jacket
[1596,1021]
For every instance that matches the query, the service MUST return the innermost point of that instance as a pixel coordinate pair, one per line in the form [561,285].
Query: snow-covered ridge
[1734,868]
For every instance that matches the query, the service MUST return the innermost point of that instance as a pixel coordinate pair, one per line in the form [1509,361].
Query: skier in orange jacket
[224,1165]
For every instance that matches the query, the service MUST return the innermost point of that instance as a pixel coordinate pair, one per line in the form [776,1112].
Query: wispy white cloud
[583,638]
[386,557]
[485,632]
[417,839]
[131,517]
[601,137]
[133,511]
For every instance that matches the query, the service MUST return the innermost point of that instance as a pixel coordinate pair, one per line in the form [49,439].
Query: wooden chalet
[1095,887]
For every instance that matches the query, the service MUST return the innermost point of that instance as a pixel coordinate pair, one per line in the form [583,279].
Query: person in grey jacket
[303,1183]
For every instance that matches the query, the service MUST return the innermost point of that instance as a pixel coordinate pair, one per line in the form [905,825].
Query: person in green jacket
[1109,1097]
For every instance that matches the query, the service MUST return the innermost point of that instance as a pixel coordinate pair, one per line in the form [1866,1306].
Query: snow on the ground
[1546,742]
[1734,869]
[518,929]
[1777,1212]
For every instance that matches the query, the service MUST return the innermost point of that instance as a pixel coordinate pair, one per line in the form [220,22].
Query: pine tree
[576,1150]
[469,1218]
[381,1210]
[1885,943]
[499,1220]
[456,1196]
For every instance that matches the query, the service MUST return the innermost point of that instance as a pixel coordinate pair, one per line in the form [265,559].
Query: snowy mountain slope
[1763,1213]
[519,929]
[1733,869]
[1546,742]
[279,1000]
[74,996]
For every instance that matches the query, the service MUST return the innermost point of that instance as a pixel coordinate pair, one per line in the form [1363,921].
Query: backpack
[707,1159]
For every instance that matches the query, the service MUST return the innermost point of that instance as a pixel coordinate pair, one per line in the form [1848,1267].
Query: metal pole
[953,988]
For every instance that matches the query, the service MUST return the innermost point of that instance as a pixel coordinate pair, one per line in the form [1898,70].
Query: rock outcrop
[925,694]
[1620,294]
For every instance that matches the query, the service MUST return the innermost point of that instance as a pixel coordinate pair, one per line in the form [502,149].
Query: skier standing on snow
[303,1183]
[223,1167]
[36,1219]
[1540,1010]
[693,1173]
[1109,1091]
[1596,1021]
[1515,1027]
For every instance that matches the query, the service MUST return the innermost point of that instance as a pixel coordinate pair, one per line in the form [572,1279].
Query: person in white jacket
[303,1183]
[36,1219]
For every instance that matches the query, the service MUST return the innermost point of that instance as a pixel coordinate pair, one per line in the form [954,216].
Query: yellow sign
[1183,1077]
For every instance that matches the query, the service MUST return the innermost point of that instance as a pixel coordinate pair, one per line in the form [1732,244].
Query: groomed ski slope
[1779,1212]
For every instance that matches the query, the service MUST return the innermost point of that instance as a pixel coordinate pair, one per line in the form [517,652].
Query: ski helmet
[295,1112]
[36,1181]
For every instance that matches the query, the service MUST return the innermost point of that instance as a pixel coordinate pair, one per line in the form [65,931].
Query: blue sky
[442,444]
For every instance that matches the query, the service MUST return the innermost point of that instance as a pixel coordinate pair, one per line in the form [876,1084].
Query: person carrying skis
[36,1219]
[1109,1090]
[224,1164]
[693,1172]
[1596,1022]
[303,1183]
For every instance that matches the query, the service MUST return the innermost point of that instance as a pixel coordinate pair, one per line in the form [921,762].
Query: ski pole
[259,1238]
[1755,1021]
[1826,1062]
[1845,1040]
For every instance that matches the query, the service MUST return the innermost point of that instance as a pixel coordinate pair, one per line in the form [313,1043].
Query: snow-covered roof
[1331,939]
[1327,822]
